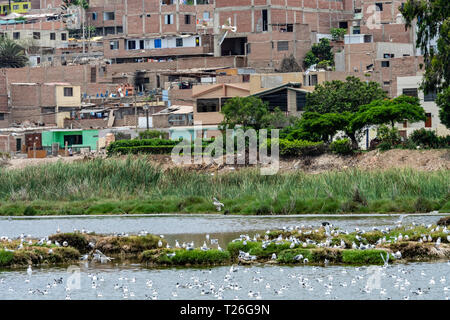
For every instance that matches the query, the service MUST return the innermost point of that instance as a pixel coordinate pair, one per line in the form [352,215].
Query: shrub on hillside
[341,146]
[388,137]
[428,139]
[294,148]
[151,134]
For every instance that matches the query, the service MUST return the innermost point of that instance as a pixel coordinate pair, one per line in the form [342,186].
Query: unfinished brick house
[266,30]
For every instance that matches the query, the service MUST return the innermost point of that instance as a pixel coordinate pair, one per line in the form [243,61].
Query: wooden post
[66,152]
[34,149]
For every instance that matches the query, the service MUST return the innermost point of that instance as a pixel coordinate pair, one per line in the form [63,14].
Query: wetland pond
[90,280]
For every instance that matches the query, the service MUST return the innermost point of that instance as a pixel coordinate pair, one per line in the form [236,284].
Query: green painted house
[75,138]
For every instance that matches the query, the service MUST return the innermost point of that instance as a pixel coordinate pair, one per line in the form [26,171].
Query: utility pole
[82,26]
[135,110]
[146,115]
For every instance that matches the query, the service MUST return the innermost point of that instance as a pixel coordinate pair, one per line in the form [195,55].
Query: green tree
[338,33]
[433,21]
[339,96]
[389,111]
[310,59]
[12,55]
[325,125]
[250,112]
[443,101]
[319,52]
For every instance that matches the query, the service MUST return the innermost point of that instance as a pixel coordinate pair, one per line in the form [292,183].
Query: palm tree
[12,55]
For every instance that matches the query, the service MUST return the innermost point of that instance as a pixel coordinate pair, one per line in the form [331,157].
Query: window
[207,105]
[63,36]
[179,42]
[15,7]
[94,15]
[388,55]
[197,41]
[108,16]
[379,6]
[356,30]
[2,116]
[386,83]
[131,44]
[52,36]
[428,121]
[223,101]
[16,35]
[301,101]
[36,35]
[25,6]
[68,92]
[114,45]
[205,15]
[289,28]
[168,19]
[73,139]
[187,19]
[157,43]
[430,96]
[264,20]
[343,24]
[412,92]
[93,74]
[249,48]
[282,45]
[385,64]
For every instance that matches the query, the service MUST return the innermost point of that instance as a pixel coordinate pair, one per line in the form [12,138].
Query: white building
[410,86]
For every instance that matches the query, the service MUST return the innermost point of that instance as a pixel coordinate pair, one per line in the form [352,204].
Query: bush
[29,211]
[145,149]
[116,146]
[150,134]
[293,148]
[341,146]
[428,139]
[388,137]
[118,135]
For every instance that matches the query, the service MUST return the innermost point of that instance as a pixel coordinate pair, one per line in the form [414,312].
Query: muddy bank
[426,160]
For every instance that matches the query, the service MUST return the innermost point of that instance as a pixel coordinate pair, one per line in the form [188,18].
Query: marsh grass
[186,257]
[134,185]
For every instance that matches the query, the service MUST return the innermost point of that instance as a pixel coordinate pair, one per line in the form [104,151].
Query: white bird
[217,204]
[160,243]
[386,261]
[274,256]
[438,242]
[29,271]
[65,244]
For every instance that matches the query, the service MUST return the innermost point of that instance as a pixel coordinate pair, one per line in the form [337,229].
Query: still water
[410,281]
[117,281]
